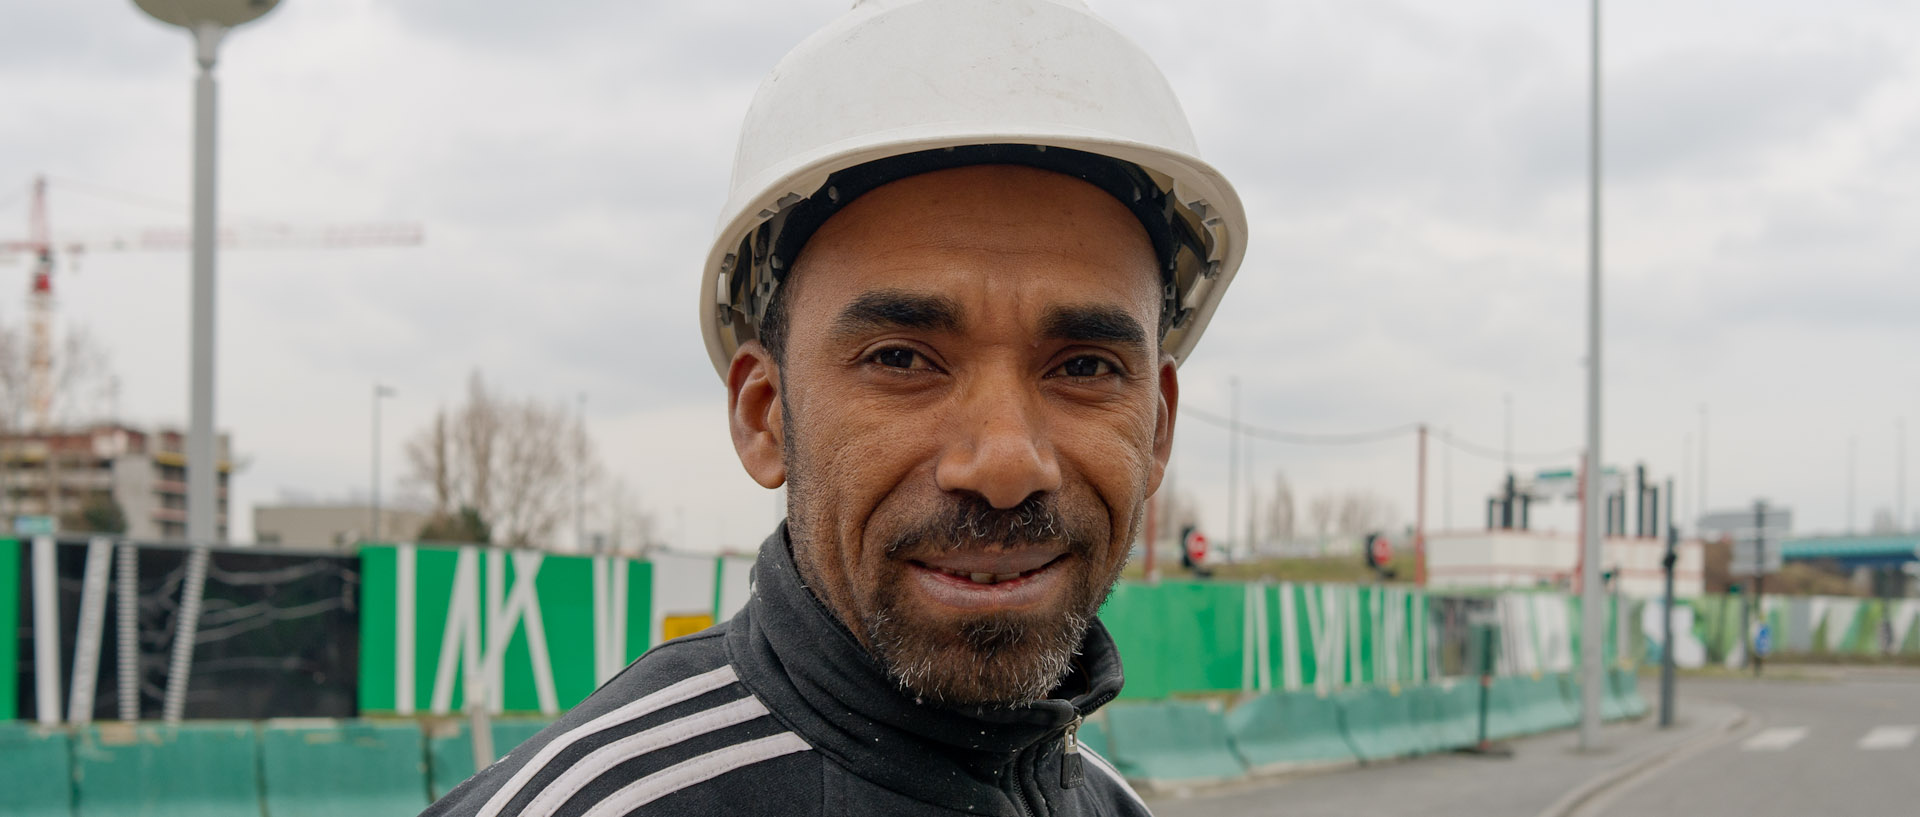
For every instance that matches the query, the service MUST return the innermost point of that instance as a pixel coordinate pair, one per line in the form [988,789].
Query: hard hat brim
[1191,182]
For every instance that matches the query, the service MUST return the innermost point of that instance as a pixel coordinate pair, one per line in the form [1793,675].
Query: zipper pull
[1071,772]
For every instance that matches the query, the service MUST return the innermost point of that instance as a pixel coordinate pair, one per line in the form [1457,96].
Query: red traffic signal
[1196,544]
[1379,551]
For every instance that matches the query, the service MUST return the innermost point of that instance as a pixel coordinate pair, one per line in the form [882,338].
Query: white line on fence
[406,571]
[46,634]
[86,643]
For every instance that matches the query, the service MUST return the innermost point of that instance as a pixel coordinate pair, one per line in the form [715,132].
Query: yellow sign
[674,626]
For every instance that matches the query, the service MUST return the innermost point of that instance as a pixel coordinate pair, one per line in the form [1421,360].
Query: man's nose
[998,447]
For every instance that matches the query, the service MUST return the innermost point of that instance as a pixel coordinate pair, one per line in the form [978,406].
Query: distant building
[333,524]
[1532,559]
[60,473]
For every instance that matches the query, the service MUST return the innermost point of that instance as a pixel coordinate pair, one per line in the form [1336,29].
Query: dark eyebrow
[1093,324]
[892,309]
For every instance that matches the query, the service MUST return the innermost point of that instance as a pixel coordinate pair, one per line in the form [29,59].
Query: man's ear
[1169,407]
[754,414]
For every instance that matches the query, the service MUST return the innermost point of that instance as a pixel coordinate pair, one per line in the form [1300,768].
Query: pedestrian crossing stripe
[1778,739]
[1878,739]
[1889,737]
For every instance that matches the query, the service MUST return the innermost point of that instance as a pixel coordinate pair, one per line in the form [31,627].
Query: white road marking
[1889,737]
[1774,740]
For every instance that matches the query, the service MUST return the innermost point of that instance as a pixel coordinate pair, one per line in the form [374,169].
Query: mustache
[970,521]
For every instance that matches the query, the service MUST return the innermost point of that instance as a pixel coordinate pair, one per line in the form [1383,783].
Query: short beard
[1005,659]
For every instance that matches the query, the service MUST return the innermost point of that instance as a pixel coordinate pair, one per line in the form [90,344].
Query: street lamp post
[208,21]
[1592,626]
[580,477]
[379,392]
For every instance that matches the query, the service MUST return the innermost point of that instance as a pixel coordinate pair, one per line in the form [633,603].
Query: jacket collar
[811,672]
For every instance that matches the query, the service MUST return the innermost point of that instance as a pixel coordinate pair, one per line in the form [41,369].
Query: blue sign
[25,525]
[1763,640]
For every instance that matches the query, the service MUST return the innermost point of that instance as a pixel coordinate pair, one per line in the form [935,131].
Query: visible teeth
[982,578]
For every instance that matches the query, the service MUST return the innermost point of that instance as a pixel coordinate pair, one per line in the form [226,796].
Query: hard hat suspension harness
[1179,248]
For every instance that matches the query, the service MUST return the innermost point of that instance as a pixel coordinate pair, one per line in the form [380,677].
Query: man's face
[972,411]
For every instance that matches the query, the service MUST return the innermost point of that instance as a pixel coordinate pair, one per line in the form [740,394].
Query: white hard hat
[898,87]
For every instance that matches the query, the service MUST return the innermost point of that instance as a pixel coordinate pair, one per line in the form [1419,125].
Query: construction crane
[43,250]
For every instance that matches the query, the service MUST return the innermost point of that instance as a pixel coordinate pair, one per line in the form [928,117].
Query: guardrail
[275,768]
[301,767]
[1166,744]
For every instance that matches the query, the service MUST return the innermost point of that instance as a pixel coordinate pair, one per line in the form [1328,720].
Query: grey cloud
[1711,110]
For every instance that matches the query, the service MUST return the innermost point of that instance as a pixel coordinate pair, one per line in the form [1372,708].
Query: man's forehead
[985,233]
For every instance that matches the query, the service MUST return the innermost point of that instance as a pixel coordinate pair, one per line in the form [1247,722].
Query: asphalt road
[1843,748]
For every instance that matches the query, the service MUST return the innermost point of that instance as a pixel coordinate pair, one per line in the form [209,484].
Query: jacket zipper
[1072,768]
[1071,772]
[1020,796]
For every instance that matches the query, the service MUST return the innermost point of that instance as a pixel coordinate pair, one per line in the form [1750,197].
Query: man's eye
[1086,367]
[896,358]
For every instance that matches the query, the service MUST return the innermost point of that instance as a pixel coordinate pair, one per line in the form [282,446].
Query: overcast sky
[1415,175]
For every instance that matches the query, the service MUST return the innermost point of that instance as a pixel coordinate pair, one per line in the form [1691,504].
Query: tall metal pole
[202,465]
[1759,578]
[1677,509]
[202,469]
[1507,452]
[1233,458]
[1152,537]
[1853,466]
[1900,473]
[580,478]
[1666,615]
[1700,505]
[1253,494]
[379,392]
[1592,626]
[1420,516]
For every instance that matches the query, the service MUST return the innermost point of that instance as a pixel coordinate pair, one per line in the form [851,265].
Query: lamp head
[195,13]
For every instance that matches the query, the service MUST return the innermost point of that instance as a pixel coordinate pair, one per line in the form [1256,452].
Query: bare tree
[1320,513]
[79,386]
[430,463]
[1364,512]
[476,435]
[1177,511]
[629,527]
[80,380]
[1280,511]
[520,464]
[1884,523]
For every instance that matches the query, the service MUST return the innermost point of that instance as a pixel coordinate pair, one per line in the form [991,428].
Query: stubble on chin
[997,659]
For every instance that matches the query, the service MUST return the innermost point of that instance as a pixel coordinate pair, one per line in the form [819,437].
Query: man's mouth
[987,578]
[987,581]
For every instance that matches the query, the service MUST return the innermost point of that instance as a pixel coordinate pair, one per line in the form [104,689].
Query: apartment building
[59,473]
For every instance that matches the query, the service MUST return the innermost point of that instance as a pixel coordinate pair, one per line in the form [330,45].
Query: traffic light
[1378,552]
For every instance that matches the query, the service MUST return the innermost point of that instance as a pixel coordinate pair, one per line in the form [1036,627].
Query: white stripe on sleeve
[698,770]
[589,768]
[675,693]
[1102,764]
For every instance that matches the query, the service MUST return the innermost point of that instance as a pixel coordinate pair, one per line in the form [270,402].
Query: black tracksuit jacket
[781,712]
